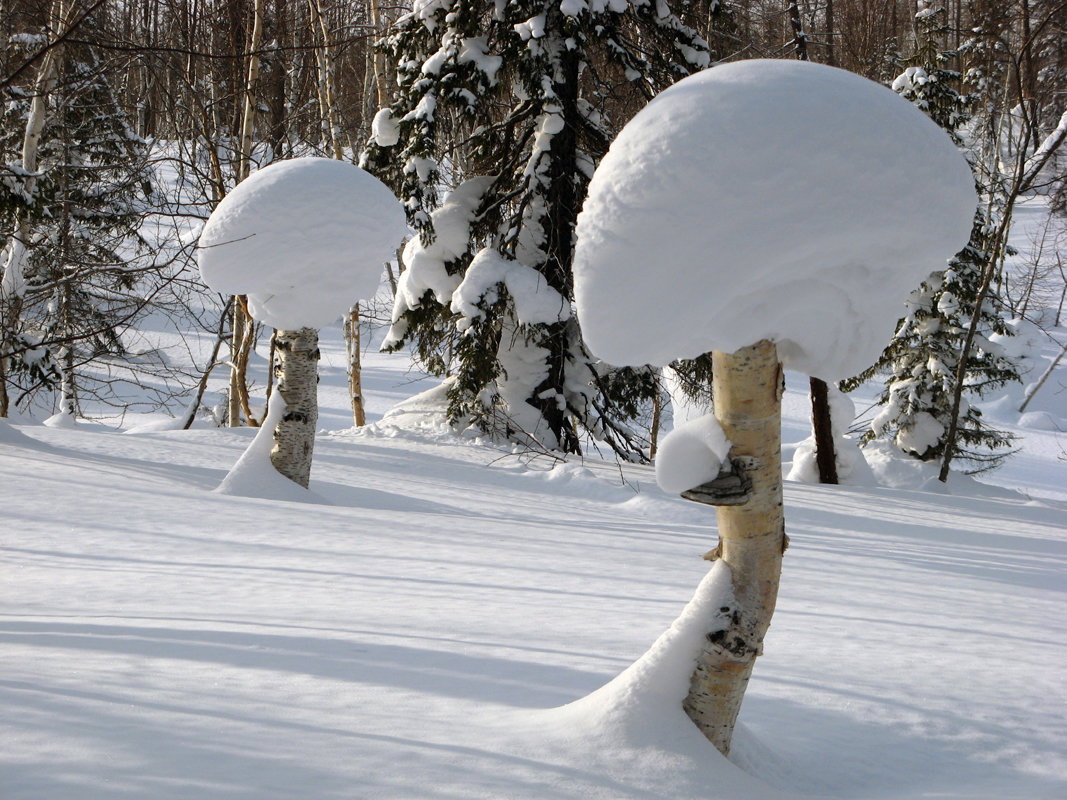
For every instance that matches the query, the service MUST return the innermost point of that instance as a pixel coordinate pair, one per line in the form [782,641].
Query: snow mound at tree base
[254,474]
[634,728]
[893,469]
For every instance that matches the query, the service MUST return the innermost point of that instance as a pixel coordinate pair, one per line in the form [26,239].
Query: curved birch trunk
[747,387]
[296,370]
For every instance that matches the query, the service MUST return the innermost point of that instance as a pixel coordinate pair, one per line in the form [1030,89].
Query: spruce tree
[922,359]
[87,202]
[513,104]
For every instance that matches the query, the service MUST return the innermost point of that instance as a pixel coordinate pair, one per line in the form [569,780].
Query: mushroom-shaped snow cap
[767,199]
[304,239]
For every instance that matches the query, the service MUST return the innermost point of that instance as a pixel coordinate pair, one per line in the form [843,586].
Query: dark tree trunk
[825,453]
[559,230]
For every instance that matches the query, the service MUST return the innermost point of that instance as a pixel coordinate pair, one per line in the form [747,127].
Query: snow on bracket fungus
[304,240]
[772,213]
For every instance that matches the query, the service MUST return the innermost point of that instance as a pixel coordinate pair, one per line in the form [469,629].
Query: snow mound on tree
[852,468]
[254,474]
[691,454]
[304,239]
[635,724]
[767,199]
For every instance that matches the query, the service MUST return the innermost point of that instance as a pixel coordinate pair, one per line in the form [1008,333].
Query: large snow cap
[767,199]
[304,239]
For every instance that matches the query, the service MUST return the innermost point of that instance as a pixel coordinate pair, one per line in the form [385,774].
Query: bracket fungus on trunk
[773,213]
[304,239]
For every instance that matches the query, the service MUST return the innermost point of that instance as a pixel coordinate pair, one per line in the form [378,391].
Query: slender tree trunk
[831,58]
[1041,381]
[822,427]
[242,322]
[201,387]
[381,72]
[244,352]
[248,117]
[747,390]
[13,280]
[296,372]
[825,456]
[800,38]
[355,383]
[327,93]
[237,335]
[657,414]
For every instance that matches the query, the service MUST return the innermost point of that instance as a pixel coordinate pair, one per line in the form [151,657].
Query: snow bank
[649,693]
[767,199]
[304,239]
[11,435]
[894,470]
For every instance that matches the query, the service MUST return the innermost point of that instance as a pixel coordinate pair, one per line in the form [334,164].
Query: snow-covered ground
[435,621]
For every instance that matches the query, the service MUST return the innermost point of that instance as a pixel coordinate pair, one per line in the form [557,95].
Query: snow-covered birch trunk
[747,389]
[296,371]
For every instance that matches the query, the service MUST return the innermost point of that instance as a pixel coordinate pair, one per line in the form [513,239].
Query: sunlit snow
[767,199]
[305,239]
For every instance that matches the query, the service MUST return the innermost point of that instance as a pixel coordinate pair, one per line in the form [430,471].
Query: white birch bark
[355,381]
[248,118]
[13,279]
[242,323]
[747,390]
[327,92]
[297,375]
[13,284]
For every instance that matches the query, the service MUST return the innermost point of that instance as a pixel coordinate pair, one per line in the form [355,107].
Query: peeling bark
[747,387]
[296,371]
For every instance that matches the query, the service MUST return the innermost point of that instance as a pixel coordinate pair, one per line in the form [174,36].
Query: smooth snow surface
[691,454]
[453,621]
[304,239]
[767,199]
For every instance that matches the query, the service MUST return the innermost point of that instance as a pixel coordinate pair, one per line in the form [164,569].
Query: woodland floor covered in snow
[425,625]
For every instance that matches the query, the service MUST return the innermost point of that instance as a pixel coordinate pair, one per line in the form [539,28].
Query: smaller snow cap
[767,199]
[304,239]
[691,454]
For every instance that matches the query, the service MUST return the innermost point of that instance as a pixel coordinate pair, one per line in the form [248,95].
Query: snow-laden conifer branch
[513,85]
